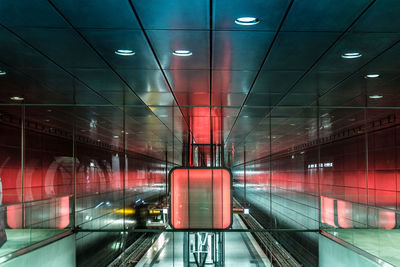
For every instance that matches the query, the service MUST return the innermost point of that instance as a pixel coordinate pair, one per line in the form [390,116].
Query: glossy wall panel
[343,175]
[59,172]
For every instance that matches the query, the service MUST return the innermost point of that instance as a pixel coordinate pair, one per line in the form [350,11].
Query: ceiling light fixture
[182,53]
[372,75]
[115,136]
[376,96]
[2,72]
[248,21]
[124,52]
[17,98]
[350,55]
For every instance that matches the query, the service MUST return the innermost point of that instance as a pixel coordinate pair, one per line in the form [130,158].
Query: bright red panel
[200,198]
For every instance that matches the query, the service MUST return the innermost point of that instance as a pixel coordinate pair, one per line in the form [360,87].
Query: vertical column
[22,164]
[270,167]
[366,147]
[74,171]
[244,175]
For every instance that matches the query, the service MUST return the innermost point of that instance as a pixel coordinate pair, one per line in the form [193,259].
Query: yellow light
[125,211]
[154,211]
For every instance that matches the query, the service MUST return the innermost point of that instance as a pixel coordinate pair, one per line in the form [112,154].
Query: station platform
[18,239]
[378,242]
[240,250]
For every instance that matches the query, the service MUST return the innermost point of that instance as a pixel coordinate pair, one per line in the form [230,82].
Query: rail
[277,254]
[132,255]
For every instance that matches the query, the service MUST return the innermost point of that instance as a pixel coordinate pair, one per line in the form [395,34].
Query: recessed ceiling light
[375,96]
[372,75]
[17,98]
[247,21]
[47,120]
[124,52]
[351,55]
[182,53]
[2,72]
[98,140]
[115,136]
[292,124]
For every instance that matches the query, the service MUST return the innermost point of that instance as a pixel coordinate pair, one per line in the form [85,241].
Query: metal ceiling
[262,81]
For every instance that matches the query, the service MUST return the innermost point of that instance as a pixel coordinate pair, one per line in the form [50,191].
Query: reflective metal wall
[338,178]
[58,174]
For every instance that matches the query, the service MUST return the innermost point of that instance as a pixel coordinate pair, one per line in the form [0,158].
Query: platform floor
[384,244]
[21,238]
[240,250]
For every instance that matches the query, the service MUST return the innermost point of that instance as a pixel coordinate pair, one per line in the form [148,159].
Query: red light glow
[201,198]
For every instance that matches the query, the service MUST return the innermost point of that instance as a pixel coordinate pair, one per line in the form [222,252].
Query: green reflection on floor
[21,238]
[383,244]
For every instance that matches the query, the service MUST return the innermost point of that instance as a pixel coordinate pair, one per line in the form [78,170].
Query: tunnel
[199,133]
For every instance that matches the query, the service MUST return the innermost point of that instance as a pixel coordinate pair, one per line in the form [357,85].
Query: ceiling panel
[100,80]
[240,50]
[166,42]
[189,81]
[309,47]
[232,81]
[144,81]
[275,81]
[270,14]
[154,98]
[108,41]
[227,99]
[16,53]
[30,13]
[178,14]
[327,15]
[193,98]
[383,16]
[64,46]
[368,44]
[116,14]
[263,99]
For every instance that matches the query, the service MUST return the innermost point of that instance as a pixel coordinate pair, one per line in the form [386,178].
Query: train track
[132,255]
[277,254]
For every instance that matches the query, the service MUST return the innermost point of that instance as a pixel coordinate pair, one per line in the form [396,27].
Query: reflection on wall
[344,214]
[44,195]
[285,189]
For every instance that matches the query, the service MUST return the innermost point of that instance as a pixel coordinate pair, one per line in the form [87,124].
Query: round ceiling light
[350,55]
[2,72]
[182,53]
[376,96]
[248,21]
[124,52]
[17,98]
[375,75]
